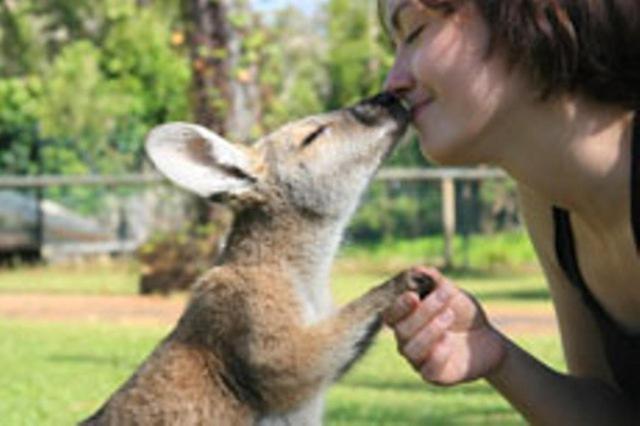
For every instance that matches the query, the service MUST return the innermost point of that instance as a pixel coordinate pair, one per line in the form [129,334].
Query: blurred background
[86,225]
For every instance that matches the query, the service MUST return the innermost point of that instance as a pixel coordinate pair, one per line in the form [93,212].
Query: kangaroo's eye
[414,34]
[313,136]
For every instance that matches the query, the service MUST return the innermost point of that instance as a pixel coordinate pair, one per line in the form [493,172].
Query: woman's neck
[574,153]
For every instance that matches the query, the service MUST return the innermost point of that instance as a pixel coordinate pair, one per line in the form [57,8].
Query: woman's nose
[399,80]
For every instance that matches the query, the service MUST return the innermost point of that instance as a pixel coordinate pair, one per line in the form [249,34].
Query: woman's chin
[445,154]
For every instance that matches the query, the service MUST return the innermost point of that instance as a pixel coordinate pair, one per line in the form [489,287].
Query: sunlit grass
[523,289]
[55,374]
[357,268]
[108,278]
[503,252]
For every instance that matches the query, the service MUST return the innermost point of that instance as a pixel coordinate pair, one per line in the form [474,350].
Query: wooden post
[448,218]
[466,225]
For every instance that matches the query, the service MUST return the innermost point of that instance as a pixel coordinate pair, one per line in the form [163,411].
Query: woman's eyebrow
[395,16]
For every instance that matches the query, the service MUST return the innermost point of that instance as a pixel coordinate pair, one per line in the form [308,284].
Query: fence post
[448,218]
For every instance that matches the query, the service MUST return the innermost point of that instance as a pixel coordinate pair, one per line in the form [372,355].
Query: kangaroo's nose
[373,111]
[385,99]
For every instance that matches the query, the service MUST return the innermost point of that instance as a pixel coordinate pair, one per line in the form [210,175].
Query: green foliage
[109,74]
[18,124]
[21,48]
[292,68]
[80,105]
[397,210]
[86,80]
[357,58]
[138,57]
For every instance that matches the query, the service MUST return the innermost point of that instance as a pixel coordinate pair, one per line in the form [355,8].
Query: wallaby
[260,341]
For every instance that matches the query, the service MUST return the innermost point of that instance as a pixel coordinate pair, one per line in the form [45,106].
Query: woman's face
[460,98]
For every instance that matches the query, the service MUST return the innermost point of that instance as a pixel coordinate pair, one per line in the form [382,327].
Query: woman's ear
[200,161]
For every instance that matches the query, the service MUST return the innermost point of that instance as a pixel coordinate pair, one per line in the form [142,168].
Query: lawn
[497,264]
[54,374]
[108,278]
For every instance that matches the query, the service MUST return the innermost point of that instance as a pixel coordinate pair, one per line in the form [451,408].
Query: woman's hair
[577,46]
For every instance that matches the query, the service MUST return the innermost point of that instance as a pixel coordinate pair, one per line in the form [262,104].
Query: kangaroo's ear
[199,160]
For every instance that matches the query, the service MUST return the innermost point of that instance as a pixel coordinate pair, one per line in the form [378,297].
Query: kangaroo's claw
[421,283]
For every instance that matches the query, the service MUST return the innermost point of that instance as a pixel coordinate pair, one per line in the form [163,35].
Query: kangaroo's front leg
[314,356]
[357,323]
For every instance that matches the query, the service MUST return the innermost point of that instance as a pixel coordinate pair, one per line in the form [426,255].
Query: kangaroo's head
[316,167]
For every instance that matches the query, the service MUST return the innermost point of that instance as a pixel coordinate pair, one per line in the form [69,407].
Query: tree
[293,73]
[358,59]
[208,40]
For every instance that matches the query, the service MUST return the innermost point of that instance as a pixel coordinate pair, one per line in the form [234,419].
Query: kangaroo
[260,341]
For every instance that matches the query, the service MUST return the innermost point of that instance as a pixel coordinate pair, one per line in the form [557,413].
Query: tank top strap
[635,181]
[566,254]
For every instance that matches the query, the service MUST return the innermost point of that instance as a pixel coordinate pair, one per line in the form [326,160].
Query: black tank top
[622,348]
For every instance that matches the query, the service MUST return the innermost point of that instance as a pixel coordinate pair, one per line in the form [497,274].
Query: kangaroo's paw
[421,282]
[416,279]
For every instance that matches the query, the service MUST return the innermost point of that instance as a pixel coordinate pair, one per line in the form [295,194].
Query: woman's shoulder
[537,213]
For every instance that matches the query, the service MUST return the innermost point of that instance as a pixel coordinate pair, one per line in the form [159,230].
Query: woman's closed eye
[413,36]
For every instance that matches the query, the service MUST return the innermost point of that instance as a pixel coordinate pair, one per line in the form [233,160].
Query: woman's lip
[417,108]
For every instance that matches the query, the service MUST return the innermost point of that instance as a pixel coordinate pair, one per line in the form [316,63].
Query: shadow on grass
[475,404]
[114,361]
[413,386]
[423,414]
[524,295]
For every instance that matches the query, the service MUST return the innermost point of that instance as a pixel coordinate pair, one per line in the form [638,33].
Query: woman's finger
[425,312]
[437,360]
[402,307]
[420,345]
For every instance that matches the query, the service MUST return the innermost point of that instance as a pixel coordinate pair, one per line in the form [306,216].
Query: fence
[446,177]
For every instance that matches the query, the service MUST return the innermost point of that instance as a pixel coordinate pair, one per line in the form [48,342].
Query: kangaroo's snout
[383,106]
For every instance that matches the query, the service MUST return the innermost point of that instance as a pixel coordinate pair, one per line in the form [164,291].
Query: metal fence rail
[439,174]
[446,176]
[387,174]
[44,181]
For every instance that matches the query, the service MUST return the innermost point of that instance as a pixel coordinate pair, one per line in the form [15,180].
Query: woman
[545,89]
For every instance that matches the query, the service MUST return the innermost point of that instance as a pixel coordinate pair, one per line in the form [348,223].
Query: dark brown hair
[577,46]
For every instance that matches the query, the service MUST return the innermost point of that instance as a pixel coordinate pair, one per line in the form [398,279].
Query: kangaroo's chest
[309,414]
[314,297]
[315,307]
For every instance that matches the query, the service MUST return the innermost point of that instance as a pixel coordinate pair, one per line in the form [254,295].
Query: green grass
[108,278]
[508,251]
[54,374]
[383,390]
[351,278]
[524,289]
[358,267]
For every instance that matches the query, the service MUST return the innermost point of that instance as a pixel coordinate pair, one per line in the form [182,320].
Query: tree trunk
[208,33]
[245,108]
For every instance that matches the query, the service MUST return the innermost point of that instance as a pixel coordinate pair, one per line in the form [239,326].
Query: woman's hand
[446,336]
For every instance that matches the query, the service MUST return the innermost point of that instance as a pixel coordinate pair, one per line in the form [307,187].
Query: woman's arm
[546,397]
[448,339]
[589,390]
